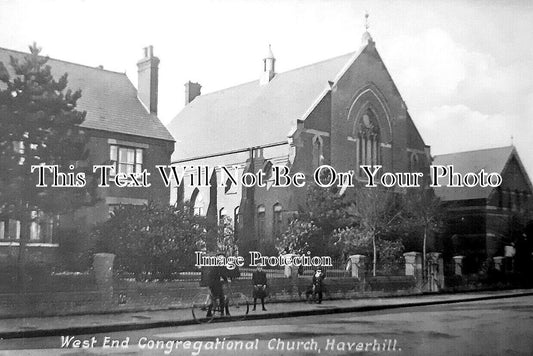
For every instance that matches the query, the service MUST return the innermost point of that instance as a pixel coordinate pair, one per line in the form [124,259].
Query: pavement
[102,323]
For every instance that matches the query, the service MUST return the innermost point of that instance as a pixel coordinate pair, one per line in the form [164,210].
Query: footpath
[110,322]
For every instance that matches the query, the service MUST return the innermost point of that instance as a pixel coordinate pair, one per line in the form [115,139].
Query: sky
[464,68]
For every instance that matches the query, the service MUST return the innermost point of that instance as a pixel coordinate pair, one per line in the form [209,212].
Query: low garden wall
[79,294]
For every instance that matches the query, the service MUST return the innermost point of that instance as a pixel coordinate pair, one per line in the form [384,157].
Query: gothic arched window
[197,202]
[221,214]
[368,143]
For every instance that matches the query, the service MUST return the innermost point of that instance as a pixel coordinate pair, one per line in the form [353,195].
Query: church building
[343,112]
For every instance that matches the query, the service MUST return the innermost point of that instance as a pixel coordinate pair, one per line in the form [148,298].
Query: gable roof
[251,114]
[491,160]
[109,98]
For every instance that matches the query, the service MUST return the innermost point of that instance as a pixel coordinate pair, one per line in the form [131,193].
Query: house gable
[109,98]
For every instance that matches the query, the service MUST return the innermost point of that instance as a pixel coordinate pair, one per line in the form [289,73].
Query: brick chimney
[192,90]
[147,87]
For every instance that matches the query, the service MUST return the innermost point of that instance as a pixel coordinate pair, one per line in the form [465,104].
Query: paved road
[495,327]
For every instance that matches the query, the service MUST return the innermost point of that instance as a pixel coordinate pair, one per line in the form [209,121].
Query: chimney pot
[192,90]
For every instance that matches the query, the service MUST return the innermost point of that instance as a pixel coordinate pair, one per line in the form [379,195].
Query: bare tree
[378,212]
[424,210]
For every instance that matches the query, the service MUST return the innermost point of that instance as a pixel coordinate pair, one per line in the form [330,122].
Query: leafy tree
[39,124]
[330,210]
[226,239]
[358,240]
[153,242]
[325,210]
[298,237]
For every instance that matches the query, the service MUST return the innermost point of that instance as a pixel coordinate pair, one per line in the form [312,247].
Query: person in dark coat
[259,282]
[216,276]
[317,286]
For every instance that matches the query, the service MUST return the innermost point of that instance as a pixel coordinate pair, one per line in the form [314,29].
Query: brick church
[344,111]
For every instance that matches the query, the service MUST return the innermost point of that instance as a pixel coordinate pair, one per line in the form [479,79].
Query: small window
[414,166]
[198,202]
[236,221]
[261,222]
[9,229]
[277,219]
[318,152]
[126,159]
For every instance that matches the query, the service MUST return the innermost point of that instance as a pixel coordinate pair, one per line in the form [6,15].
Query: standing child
[259,282]
[317,286]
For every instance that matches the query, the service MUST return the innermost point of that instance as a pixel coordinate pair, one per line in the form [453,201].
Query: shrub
[152,242]
[357,241]
[73,250]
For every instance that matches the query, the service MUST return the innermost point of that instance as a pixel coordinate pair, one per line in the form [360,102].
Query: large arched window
[261,222]
[277,219]
[368,143]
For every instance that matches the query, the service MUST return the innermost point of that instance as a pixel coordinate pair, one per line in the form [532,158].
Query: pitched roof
[109,98]
[251,114]
[491,160]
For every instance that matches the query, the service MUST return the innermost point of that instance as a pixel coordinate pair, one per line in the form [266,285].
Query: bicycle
[235,302]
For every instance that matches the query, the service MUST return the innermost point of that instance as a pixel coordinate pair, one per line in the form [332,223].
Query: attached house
[481,221]
[124,130]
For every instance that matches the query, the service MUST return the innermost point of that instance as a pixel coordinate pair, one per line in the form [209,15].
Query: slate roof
[109,98]
[251,114]
[491,160]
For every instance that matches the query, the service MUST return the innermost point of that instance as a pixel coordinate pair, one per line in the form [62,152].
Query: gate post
[358,266]
[413,264]
[458,265]
[103,274]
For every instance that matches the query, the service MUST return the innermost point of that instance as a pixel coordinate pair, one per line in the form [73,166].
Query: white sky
[463,67]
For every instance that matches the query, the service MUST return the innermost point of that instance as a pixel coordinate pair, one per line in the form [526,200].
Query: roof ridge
[68,62]
[287,71]
[481,149]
